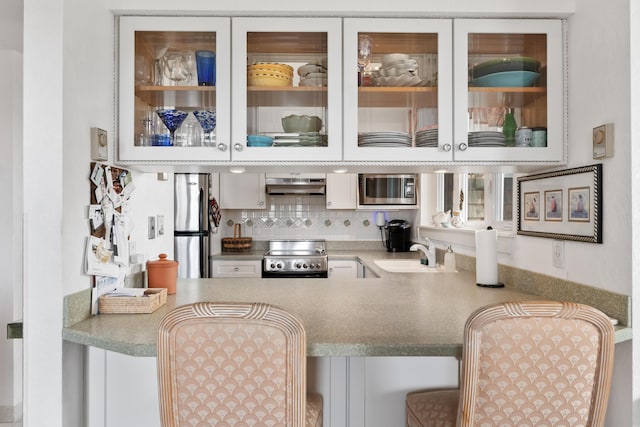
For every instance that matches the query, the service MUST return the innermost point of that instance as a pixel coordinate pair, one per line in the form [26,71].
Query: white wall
[10,231]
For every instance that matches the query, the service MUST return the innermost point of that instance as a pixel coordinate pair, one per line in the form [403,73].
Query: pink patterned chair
[234,364]
[525,364]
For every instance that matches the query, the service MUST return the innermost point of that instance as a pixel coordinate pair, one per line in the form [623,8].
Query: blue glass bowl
[207,119]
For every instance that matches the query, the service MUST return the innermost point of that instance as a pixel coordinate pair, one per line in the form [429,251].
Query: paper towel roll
[487,258]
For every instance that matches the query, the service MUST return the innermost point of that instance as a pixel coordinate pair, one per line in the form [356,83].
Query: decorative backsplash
[300,217]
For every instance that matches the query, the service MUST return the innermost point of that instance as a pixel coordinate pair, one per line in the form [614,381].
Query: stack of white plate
[384,139]
[427,138]
[486,139]
[298,139]
[312,75]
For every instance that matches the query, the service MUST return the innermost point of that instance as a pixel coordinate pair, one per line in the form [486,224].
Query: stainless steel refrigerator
[191,228]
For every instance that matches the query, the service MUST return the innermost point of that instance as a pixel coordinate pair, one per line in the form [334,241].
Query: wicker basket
[148,303]
[237,243]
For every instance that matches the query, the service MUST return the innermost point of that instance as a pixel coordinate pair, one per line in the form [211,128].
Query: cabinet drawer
[236,268]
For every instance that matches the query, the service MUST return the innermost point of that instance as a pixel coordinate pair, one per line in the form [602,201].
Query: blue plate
[506,79]
[259,141]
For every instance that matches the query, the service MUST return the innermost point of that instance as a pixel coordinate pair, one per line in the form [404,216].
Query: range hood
[299,184]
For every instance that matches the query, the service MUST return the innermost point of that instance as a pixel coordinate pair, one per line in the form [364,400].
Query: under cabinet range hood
[299,184]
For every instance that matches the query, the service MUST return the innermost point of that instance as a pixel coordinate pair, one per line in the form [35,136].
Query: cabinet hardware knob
[261,203]
[236,269]
[462,146]
[238,146]
[222,147]
[446,147]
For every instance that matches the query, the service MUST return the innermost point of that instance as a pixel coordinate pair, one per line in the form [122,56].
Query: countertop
[419,314]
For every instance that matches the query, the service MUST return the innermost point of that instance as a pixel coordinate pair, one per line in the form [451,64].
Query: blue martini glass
[207,120]
[172,119]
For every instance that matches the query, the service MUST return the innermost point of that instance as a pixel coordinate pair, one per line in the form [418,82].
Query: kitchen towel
[487,258]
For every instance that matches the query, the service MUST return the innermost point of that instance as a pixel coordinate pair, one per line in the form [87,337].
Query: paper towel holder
[490,285]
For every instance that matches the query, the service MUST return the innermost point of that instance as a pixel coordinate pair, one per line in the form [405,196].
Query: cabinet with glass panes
[287,89]
[169,109]
[418,91]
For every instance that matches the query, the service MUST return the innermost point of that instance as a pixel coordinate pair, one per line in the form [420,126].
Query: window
[479,199]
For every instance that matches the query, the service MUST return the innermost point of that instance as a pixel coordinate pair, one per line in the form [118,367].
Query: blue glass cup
[206,66]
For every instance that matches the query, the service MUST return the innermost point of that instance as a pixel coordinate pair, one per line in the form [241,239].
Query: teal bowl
[506,79]
[259,141]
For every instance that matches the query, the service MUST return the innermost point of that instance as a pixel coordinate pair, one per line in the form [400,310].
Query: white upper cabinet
[362,90]
[159,89]
[287,67]
[397,89]
[506,71]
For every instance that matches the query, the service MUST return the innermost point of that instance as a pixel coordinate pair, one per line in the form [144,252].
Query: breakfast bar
[369,340]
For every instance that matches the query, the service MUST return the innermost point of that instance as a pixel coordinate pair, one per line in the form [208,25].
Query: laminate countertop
[417,314]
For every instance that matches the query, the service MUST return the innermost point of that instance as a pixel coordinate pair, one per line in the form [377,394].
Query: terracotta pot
[162,273]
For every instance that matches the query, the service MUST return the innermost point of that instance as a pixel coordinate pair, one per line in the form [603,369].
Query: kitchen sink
[406,266]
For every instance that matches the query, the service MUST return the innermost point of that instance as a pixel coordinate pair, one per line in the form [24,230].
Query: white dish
[392,58]
[304,70]
[403,80]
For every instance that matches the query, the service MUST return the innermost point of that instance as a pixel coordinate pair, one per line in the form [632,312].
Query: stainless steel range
[295,258]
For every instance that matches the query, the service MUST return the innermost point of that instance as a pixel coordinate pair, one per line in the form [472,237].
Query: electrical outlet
[152,227]
[557,248]
[160,224]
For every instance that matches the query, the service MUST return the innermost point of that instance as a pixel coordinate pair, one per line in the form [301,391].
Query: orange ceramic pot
[163,273]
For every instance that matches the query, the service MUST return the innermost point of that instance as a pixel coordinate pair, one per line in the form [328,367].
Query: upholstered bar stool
[534,364]
[234,364]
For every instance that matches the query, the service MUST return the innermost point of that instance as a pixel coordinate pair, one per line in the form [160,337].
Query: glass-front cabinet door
[174,89]
[397,90]
[287,92]
[508,90]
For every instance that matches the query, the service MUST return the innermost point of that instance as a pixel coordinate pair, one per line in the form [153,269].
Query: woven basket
[237,243]
[149,303]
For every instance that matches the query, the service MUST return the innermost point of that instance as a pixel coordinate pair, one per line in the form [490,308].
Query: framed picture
[553,205]
[571,204]
[532,206]
[579,204]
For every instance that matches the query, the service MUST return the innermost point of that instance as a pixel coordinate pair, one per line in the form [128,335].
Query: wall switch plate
[557,248]
[152,227]
[99,145]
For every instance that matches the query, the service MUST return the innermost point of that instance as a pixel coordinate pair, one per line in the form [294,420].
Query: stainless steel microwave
[387,189]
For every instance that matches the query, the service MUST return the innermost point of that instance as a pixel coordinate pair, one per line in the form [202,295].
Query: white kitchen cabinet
[268,59]
[343,269]
[152,50]
[236,268]
[383,113]
[242,191]
[388,119]
[341,191]
[481,46]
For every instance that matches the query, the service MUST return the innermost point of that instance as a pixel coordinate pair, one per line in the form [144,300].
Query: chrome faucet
[429,252]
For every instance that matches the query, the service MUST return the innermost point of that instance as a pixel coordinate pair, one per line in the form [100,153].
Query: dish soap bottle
[509,128]
[449,260]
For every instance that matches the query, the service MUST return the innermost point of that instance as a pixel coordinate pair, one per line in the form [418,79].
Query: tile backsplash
[306,217]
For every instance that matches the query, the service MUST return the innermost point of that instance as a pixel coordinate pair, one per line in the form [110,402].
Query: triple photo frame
[564,204]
